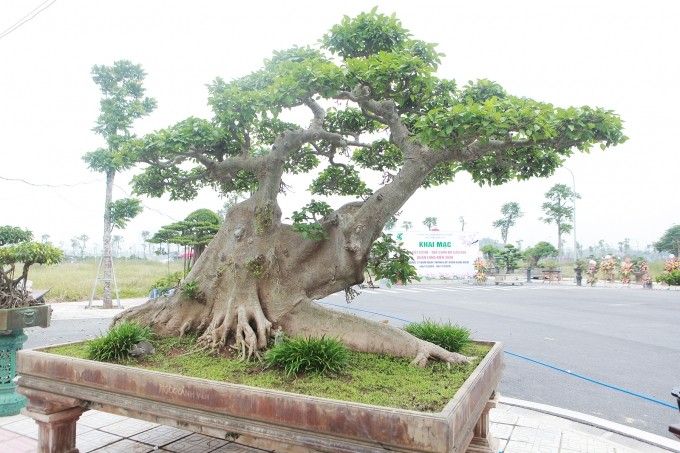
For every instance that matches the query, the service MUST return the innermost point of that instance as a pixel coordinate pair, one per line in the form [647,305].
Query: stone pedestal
[56,417]
[10,401]
[483,441]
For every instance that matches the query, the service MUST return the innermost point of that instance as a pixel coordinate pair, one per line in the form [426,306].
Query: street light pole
[573,200]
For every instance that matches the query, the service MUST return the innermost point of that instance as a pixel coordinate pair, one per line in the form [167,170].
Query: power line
[26,18]
[147,207]
[83,183]
[50,185]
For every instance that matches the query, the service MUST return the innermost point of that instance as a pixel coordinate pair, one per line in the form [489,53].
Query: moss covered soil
[370,379]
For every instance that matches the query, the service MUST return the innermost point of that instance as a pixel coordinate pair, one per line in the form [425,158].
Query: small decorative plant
[625,270]
[119,343]
[671,273]
[451,337]
[308,355]
[591,272]
[481,267]
[18,251]
[608,267]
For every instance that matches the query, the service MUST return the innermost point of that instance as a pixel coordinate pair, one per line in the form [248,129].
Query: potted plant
[579,265]
[19,306]
[591,272]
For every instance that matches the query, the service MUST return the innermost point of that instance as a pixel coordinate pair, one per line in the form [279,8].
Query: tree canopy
[367,76]
[670,241]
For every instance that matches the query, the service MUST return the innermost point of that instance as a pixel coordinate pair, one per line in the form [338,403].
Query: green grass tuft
[114,346]
[308,355]
[451,337]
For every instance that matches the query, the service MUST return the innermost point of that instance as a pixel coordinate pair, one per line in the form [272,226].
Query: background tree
[145,238]
[378,125]
[430,222]
[541,250]
[122,103]
[116,240]
[407,225]
[194,233]
[45,238]
[558,210]
[670,241]
[511,212]
[80,244]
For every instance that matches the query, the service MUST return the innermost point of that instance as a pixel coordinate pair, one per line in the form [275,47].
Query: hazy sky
[617,55]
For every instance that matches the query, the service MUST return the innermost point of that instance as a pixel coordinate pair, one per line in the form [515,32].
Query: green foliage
[256,266]
[307,221]
[191,290]
[556,208]
[670,241]
[509,258]
[449,336]
[16,250]
[195,231]
[671,278]
[339,180]
[511,212]
[124,210]
[170,281]
[14,235]
[490,251]
[541,250]
[389,260]
[309,355]
[114,346]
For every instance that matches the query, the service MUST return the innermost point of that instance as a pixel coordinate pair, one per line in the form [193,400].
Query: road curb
[596,422]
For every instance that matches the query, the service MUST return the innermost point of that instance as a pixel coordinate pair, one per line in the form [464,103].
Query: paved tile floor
[519,431]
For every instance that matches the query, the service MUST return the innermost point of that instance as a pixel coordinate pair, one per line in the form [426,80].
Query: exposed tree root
[311,319]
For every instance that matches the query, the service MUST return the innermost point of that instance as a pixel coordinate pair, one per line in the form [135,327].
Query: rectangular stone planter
[60,388]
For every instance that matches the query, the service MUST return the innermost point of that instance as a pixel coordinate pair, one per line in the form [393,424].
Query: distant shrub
[114,346]
[449,336]
[671,278]
[309,355]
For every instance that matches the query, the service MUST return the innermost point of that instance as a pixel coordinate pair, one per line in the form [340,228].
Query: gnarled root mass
[243,321]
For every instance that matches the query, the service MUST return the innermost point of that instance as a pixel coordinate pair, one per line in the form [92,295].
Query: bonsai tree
[509,258]
[18,251]
[195,231]
[368,99]
[541,250]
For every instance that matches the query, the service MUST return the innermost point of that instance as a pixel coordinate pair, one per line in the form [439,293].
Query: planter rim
[229,385]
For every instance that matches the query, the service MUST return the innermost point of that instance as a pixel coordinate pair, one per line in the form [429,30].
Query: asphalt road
[621,337]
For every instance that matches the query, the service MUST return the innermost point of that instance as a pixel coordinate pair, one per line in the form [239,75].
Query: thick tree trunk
[252,280]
